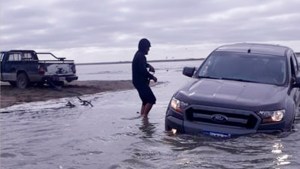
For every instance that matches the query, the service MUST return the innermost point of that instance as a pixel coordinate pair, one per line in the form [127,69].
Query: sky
[109,30]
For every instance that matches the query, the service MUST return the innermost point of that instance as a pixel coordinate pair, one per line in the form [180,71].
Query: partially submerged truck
[22,68]
[239,89]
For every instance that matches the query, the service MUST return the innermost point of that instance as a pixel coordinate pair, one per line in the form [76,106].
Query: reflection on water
[147,128]
[282,159]
[110,135]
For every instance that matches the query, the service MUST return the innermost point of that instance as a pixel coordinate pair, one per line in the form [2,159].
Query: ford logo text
[219,118]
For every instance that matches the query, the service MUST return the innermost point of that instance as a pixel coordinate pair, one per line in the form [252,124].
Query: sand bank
[12,95]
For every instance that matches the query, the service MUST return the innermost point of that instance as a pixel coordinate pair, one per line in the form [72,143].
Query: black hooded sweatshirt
[140,74]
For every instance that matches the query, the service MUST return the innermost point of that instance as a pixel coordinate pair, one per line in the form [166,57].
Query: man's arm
[151,68]
[143,68]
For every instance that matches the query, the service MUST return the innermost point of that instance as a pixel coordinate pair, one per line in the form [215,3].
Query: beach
[11,95]
[46,133]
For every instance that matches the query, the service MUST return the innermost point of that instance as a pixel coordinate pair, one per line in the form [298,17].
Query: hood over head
[144,45]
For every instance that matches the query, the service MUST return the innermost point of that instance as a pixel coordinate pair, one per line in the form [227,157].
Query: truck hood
[233,94]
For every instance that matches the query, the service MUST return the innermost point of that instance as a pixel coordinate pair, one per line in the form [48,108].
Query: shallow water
[110,134]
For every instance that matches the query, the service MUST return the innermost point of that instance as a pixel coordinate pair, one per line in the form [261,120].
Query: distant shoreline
[126,62]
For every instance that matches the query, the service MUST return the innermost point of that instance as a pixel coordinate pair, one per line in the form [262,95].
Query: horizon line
[125,62]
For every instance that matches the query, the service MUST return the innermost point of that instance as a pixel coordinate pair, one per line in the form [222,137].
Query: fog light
[174,131]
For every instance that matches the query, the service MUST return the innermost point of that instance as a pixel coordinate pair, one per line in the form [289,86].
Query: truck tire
[12,83]
[22,80]
[59,83]
[56,84]
[40,84]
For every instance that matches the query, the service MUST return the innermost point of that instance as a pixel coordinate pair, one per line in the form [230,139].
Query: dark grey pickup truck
[239,89]
[23,67]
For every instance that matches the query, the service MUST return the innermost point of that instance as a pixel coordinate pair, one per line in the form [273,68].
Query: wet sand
[11,95]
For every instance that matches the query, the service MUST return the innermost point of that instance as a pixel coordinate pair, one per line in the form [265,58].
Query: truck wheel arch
[291,109]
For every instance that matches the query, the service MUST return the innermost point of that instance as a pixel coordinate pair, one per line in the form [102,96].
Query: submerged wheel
[56,84]
[59,83]
[22,80]
[167,127]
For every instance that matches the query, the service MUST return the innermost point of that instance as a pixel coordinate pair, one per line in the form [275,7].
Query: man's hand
[154,79]
[151,68]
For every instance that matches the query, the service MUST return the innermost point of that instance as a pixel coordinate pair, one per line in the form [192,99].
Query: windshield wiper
[240,80]
[226,78]
[209,77]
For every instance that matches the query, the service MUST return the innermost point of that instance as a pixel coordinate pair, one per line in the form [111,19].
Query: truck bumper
[182,125]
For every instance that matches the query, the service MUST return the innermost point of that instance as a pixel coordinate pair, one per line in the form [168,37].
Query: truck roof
[31,51]
[257,48]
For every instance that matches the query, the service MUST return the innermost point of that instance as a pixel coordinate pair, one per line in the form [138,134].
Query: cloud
[78,26]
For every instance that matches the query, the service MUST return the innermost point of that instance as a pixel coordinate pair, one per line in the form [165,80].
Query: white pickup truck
[22,67]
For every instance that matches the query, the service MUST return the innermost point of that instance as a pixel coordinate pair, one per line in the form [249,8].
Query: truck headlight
[271,116]
[178,105]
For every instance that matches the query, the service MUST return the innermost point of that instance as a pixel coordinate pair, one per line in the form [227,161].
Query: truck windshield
[245,67]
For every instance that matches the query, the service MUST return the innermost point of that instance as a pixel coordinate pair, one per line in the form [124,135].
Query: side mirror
[188,71]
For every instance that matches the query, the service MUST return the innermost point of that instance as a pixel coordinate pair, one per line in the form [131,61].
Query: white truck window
[14,57]
[28,57]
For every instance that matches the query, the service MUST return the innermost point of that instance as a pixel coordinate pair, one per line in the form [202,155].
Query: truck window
[297,55]
[293,69]
[28,57]
[14,57]
[295,62]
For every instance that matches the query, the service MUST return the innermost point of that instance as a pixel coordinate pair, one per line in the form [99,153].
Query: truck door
[30,66]
[9,66]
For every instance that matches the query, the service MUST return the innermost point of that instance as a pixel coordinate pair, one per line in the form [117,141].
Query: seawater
[46,135]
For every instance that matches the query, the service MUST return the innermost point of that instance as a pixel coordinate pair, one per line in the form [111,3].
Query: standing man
[141,77]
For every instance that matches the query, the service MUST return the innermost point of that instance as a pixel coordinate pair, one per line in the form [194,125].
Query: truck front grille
[242,120]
